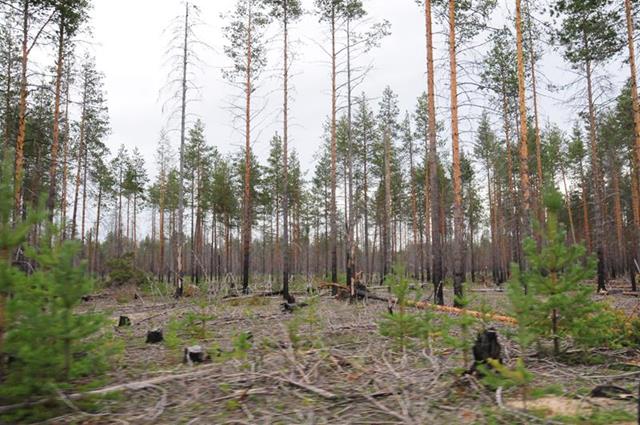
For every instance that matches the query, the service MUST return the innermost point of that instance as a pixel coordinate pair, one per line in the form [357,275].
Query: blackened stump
[124,321]
[486,347]
[154,336]
[195,354]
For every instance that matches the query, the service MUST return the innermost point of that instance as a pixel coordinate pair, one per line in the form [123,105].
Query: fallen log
[441,308]
[459,311]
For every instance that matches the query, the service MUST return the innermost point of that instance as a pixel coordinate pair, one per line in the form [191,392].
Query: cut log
[154,336]
[124,321]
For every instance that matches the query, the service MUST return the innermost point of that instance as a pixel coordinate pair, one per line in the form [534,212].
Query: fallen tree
[422,305]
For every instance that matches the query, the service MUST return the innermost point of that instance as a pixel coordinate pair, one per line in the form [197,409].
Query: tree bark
[285,146]
[247,170]
[22,113]
[599,201]
[536,117]
[53,167]
[436,268]
[458,254]
[525,206]
[180,232]
[386,238]
[334,210]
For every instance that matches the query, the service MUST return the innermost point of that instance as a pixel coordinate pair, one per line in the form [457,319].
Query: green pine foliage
[462,340]
[402,325]
[50,343]
[123,271]
[548,298]
[46,343]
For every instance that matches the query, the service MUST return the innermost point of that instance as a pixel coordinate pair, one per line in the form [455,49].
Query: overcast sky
[130,41]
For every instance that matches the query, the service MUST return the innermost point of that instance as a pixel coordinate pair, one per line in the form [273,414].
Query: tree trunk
[161,266]
[81,148]
[635,169]
[350,248]
[536,117]
[84,193]
[247,164]
[53,167]
[22,113]
[386,224]
[94,260]
[180,232]
[65,165]
[7,106]
[334,210]
[525,206]
[414,215]
[436,268]
[599,201]
[285,195]
[458,215]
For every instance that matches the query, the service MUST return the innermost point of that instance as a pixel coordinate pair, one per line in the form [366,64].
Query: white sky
[130,46]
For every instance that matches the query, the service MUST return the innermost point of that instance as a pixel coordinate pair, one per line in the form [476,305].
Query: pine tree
[557,305]
[286,11]
[247,52]
[588,32]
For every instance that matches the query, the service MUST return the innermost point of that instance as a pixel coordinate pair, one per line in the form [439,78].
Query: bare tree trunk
[285,196]
[84,192]
[414,214]
[334,209]
[365,195]
[436,269]
[7,105]
[635,169]
[81,148]
[65,165]
[524,148]
[247,164]
[534,91]
[386,224]
[617,214]
[599,202]
[161,265]
[350,248]
[458,215]
[180,233]
[53,166]
[22,113]
[94,260]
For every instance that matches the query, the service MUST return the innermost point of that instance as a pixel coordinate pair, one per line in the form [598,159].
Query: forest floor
[341,371]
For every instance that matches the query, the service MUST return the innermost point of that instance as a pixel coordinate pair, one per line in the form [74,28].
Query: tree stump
[486,347]
[195,354]
[154,336]
[124,321]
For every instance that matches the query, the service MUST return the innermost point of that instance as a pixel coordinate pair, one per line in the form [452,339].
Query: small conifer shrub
[549,298]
